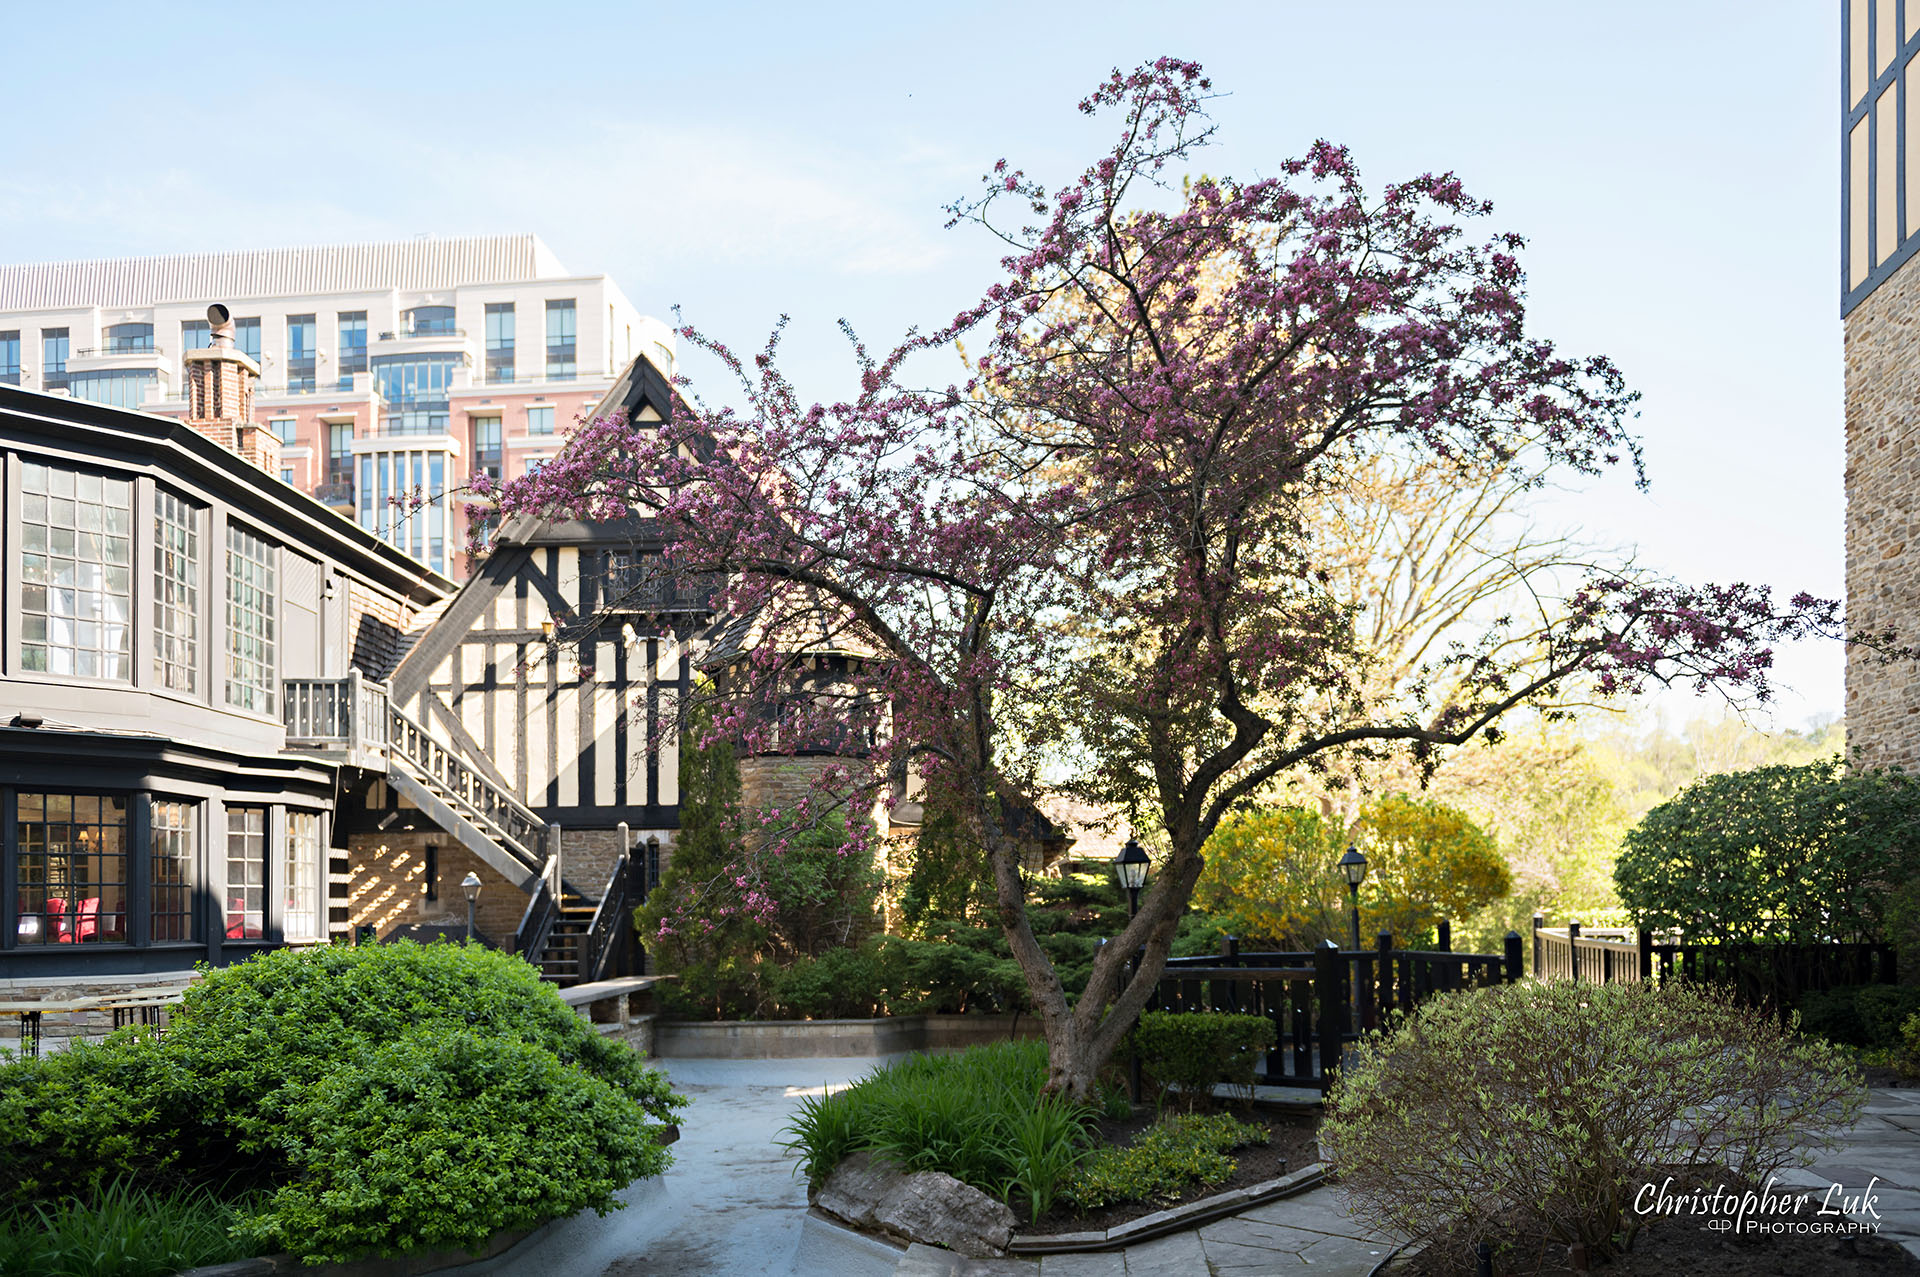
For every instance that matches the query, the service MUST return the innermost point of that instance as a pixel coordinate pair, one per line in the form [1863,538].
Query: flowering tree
[1095,555]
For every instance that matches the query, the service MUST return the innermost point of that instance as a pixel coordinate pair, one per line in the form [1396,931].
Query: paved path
[732,1207]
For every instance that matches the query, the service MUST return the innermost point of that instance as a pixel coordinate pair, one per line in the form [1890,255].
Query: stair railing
[608,936]
[502,816]
[536,922]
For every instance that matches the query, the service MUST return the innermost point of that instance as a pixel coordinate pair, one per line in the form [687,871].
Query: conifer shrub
[1533,1113]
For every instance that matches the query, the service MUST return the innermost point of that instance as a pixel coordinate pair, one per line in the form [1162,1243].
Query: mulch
[1680,1247]
[1294,1142]
[1881,1075]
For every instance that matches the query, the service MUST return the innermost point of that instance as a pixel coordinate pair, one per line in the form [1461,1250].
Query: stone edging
[1178,1219]
[414,1265]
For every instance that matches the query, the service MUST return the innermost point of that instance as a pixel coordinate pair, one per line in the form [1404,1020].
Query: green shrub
[1906,1056]
[839,984]
[1539,1110]
[1192,1050]
[978,1115]
[449,1082]
[1866,1016]
[121,1230]
[1164,1161]
[1805,854]
[440,1138]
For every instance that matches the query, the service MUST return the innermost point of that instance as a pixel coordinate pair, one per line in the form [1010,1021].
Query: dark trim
[1894,77]
[57,961]
[446,633]
[652,816]
[132,438]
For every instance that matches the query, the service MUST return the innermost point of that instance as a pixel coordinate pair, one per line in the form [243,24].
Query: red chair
[87,922]
[237,928]
[62,925]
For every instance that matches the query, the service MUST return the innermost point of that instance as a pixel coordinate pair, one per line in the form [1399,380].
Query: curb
[414,1265]
[1178,1219]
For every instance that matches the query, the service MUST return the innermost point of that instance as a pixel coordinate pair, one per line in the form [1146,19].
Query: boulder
[925,1206]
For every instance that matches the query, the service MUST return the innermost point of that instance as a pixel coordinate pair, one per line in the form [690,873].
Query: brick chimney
[220,395]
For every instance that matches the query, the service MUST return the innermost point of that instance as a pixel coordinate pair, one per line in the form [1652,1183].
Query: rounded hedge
[391,1097]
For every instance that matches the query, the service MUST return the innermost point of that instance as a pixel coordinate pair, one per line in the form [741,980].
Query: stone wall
[1883,496]
[58,1027]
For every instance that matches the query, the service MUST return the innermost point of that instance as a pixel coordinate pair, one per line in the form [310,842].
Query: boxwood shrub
[448,1083]
[1192,1050]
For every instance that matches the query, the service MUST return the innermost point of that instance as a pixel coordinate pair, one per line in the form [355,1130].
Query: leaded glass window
[171,896]
[246,873]
[71,869]
[301,919]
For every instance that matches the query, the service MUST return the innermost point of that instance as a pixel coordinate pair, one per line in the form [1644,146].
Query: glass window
[340,453]
[251,670]
[300,917]
[561,333]
[10,357]
[246,335]
[76,568]
[540,419]
[196,334]
[117,388]
[486,446]
[72,869]
[416,390]
[302,354]
[176,592]
[353,342]
[170,911]
[499,341]
[423,321]
[286,475]
[534,464]
[286,429]
[127,338]
[246,873]
[53,358]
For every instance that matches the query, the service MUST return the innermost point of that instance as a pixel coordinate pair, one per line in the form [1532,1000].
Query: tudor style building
[1880,300]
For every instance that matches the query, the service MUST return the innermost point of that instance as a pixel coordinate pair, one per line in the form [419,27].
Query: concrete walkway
[732,1207]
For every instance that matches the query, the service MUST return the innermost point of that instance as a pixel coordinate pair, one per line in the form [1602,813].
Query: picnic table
[136,1006]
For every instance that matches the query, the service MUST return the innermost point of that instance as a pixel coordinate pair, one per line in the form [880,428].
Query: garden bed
[1294,1144]
[1682,1248]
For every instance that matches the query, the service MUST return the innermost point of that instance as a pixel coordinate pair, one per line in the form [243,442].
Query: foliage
[122,1230]
[1906,1056]
[1164,1161]
[1803,854]
[369,1088]
[1107,518]
[1460,1123]
[442,1136]
[1868,1015]
[730,912]
[1272,875]
[1193,1050]
[979,1115]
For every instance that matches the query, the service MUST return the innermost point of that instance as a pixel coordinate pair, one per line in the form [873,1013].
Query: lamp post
[1354,866]
[1130,871]
[470,888]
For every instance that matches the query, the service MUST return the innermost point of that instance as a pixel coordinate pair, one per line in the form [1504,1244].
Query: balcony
[337,493]
[450,341]
[117,356]
[342,718]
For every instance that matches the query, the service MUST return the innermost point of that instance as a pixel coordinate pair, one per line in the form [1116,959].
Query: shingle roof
[410,265]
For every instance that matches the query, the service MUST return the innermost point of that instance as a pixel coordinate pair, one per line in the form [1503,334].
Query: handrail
[499,813]
[537,920]
[598,945]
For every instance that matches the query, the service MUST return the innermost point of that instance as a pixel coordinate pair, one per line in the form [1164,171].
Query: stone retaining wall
[798,1039]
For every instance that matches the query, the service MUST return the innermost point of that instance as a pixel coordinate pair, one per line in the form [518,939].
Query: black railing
[1310,995]
[609,949]
[537,919]
[1759,973]
[496,812]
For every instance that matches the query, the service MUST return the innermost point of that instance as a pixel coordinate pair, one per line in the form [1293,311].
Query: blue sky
[1675,167]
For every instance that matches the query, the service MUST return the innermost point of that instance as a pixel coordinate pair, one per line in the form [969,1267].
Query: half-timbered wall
[578,724]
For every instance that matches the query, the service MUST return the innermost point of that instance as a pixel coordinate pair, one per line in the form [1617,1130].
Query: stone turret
[219,385]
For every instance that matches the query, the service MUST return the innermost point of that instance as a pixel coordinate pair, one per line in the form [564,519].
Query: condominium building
[390,373]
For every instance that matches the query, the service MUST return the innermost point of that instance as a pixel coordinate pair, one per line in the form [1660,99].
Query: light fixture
[1354,866]
[1130,866]
[470,888]
[547,630]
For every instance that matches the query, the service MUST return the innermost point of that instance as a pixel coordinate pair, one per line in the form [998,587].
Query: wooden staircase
[561,955]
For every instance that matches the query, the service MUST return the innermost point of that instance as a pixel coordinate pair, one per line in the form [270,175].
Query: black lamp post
[470,888]
[1130,870]
[1354,866]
